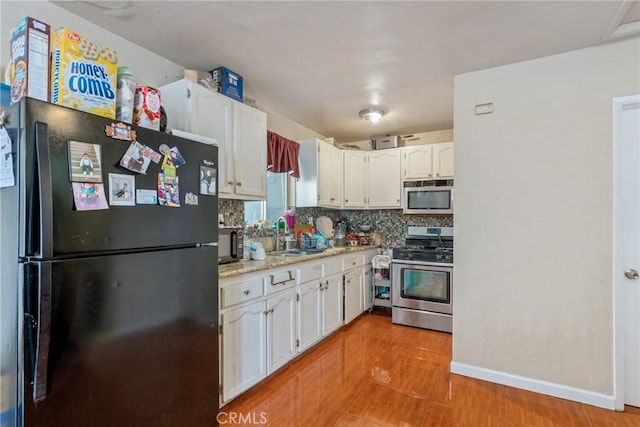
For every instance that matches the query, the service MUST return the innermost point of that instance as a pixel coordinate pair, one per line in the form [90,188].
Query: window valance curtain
[282,155]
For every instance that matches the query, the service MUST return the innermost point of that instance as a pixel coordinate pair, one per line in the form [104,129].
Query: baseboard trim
[537,386]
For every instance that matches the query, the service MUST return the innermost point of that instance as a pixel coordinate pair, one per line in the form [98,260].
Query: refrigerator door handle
[40,370]
[45,189]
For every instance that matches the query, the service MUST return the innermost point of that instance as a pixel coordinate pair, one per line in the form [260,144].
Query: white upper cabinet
[250,151]
[355,179]
[320,175]
[241,132]
[417,162]
[443,160]
[429,161]
[384,187]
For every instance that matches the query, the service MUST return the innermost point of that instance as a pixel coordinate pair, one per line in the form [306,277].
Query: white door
[626,115]
[281,329]
[416,162]
[250,151]
[309,306]
[384,186]
[244,353]
[443,160]
[332,304]
[355,179]
[353,295]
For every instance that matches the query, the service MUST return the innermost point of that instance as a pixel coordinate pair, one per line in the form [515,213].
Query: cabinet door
[309,314]
[325,180]
[281,329]
[244,352]
[384,181]
[213,118]
[355,179]
[367,288]
[335,177]
[443,160]
[250,151]
[353,295]
[332,304]
[417,162]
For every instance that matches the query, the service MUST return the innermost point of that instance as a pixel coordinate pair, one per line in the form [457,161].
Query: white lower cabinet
[266,319]
[309,314]
[353,294]
[281,329]
[331,304]
[244,348]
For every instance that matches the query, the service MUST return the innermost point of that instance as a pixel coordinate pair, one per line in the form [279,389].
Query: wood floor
[374,373]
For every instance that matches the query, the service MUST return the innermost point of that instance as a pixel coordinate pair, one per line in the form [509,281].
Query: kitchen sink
[295,253]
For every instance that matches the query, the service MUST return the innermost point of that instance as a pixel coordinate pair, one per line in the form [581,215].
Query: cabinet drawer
[352,262]
[309,273]
[332,267]
[241,292]
[279,280]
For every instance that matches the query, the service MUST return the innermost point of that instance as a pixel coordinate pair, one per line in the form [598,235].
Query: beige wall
[533,289]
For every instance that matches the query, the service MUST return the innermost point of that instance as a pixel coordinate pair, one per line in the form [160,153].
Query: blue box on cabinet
[228,83]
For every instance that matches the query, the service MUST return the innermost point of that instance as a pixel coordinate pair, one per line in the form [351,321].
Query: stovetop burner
[427,244]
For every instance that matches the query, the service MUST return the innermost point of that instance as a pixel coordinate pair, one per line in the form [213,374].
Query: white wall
[533,288]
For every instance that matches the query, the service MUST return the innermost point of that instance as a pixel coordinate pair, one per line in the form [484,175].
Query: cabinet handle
[247,292]
[230,182]
[266,312]
[353,264]
[239,184]
[332,199]
[437,174]
[346,200]
[271,311]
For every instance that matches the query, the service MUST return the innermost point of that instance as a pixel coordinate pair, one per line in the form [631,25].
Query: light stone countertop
[273,261]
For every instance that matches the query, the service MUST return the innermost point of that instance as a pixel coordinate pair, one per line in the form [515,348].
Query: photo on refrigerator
[85,164]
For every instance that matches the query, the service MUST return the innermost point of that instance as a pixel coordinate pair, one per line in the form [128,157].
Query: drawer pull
[247,292]
[272,277]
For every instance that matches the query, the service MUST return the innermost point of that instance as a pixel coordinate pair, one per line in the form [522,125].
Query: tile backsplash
[232,210]
[389,223]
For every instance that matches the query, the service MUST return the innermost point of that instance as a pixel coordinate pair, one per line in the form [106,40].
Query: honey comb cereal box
[83,74]
[29,68]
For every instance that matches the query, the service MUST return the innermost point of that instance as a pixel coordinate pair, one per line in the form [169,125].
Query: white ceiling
[319,63]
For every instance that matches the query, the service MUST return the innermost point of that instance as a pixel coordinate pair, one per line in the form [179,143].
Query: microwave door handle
[234,244]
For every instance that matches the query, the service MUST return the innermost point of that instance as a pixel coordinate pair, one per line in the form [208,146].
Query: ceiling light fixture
[371,115]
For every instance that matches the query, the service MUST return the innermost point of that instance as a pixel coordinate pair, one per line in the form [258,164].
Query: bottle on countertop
[246,252]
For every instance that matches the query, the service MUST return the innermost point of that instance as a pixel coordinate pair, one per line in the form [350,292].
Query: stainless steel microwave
[230,244]
[428,197]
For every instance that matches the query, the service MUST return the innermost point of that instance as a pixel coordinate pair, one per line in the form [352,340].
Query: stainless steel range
[422,279]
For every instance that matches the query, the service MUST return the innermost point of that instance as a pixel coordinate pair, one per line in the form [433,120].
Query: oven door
[422,286]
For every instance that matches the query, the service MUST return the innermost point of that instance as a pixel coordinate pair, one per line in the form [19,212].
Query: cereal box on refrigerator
[29,68]
[83,74]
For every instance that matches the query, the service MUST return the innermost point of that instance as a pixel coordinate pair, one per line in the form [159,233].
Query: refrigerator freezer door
[48,191]
[133,339]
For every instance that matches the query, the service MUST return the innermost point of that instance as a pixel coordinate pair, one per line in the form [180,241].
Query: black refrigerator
[117,307]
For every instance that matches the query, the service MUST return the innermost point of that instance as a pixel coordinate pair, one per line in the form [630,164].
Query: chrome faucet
[286,231]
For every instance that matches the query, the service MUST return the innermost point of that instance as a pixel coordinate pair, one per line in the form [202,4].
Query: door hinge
[220,329]
[297,297]
[220,389]
[297,343]
[188,93]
